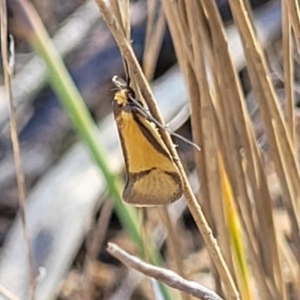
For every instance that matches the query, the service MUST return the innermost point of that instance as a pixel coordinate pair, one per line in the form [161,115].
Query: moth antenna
[146,115]
[177,135]
[119,82]
[145,112]
[139,105]
[185,140]
[114,89]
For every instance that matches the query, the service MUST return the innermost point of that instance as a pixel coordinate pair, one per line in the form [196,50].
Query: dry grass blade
[270,110]
[115,5]
[239,257]
[235,110]
[121,11]
[168,277]
[8,65]
[288,68]
[154,37]
[204,128]
[219,109]
[192,202]
[289,258]
[201,46]
[257,59]
[180,39]
[203,110]
[151,5]
[126,19]
[294,15]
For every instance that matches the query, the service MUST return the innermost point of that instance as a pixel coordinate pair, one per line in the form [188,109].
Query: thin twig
[8,64]
[168,277]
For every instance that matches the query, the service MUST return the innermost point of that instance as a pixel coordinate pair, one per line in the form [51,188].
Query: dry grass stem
[232,126]
[127,24]
[268,100]
[270,110]
[287,49]
[208,124]
[154,37]
[115,6]
[204,125]
[187,68]
[179,36]
[166,276]
[151,6]
[194,207]
[294,15]
[122,13]
[291,262]
[230,138]
[8,65]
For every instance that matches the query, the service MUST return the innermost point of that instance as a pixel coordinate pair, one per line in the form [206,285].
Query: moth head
[124,92]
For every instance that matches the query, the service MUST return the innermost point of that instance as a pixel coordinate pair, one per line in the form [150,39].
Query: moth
[152,175]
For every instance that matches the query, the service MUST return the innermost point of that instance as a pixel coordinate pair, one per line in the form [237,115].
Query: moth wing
[152,176]
[154,187]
